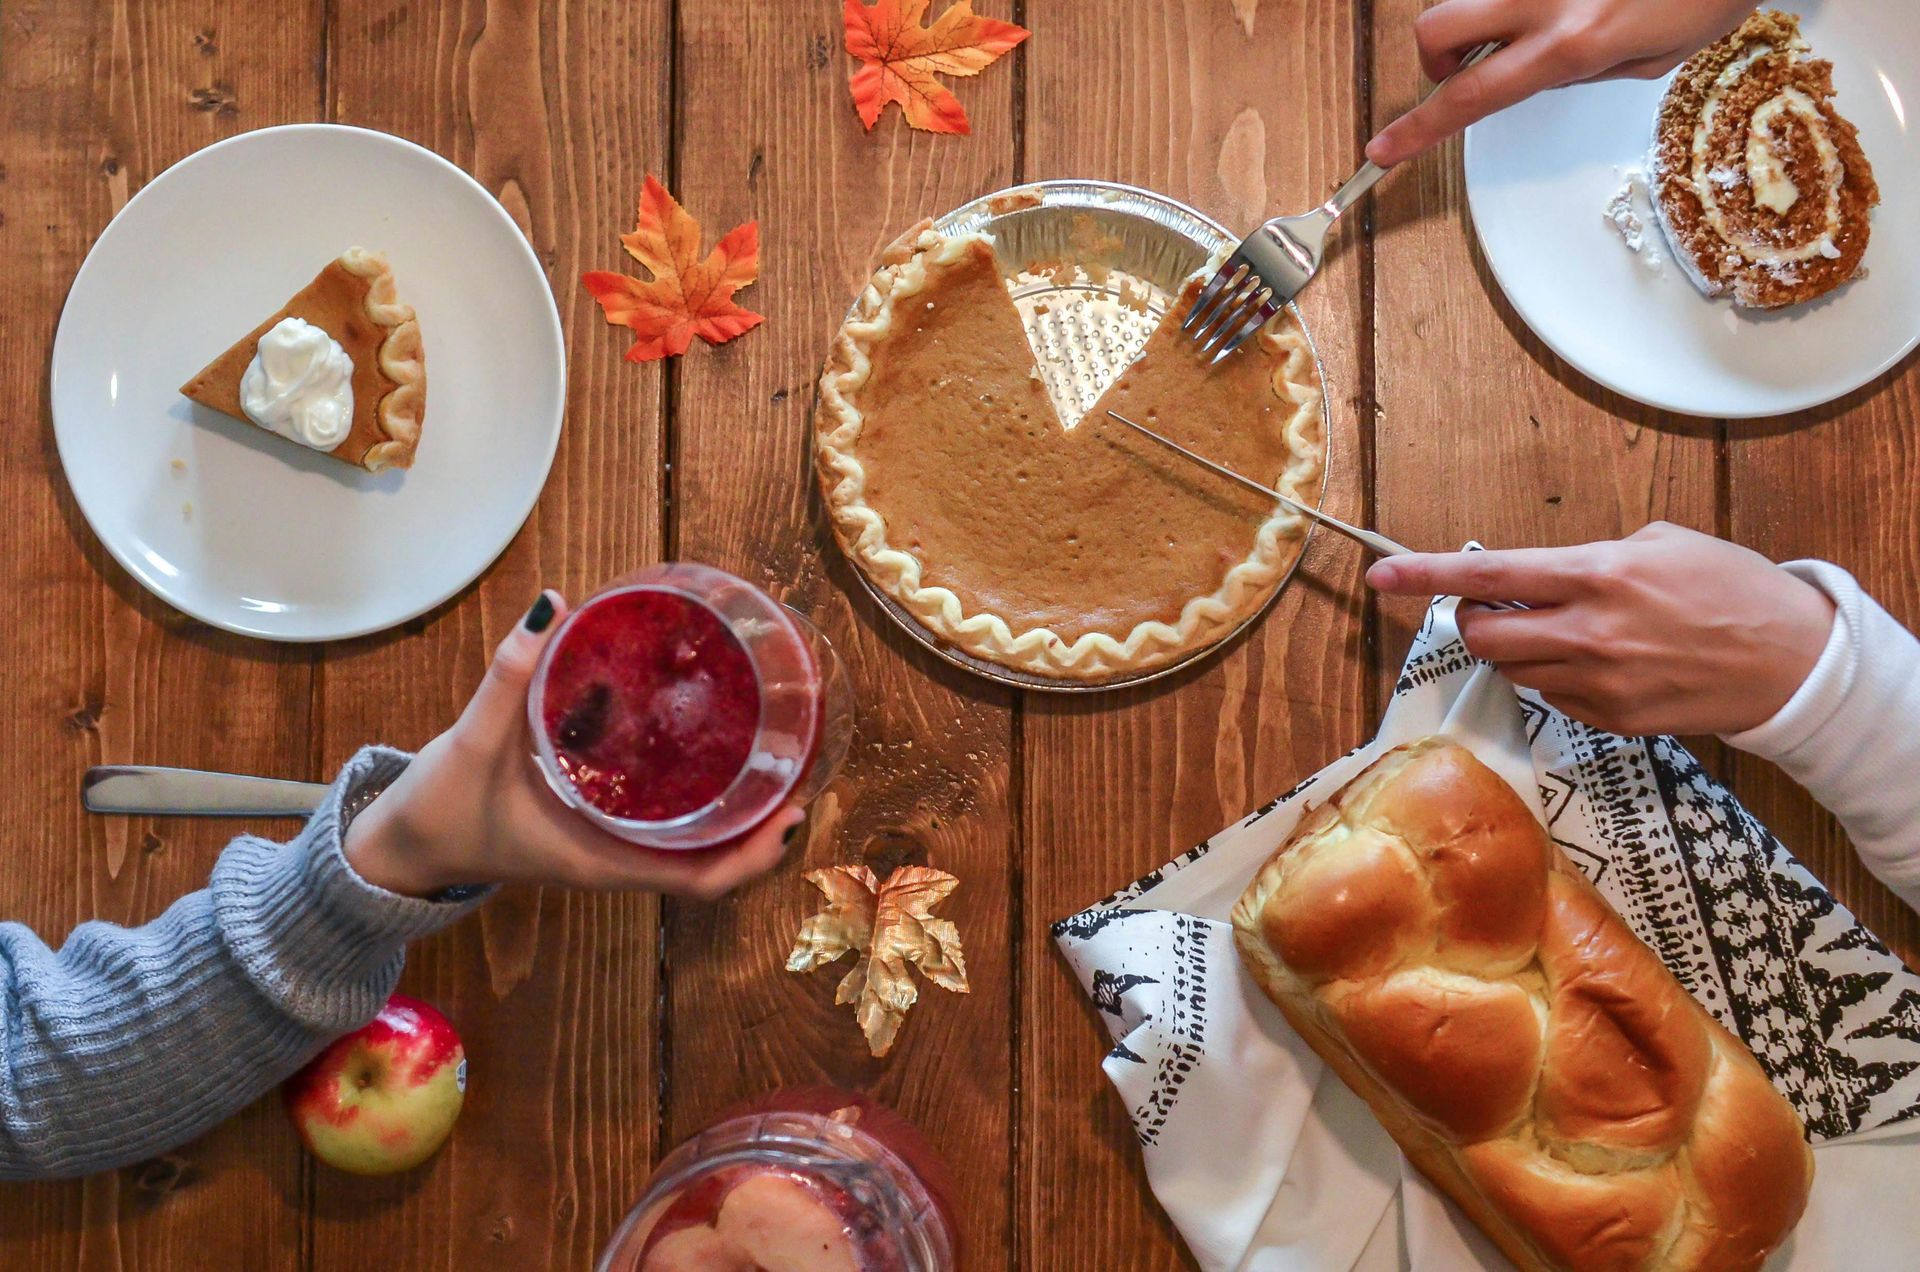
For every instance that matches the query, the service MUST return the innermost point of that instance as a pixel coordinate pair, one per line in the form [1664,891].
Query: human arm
[1849,733]
[1548,43]
[127,1041]
[1672,631]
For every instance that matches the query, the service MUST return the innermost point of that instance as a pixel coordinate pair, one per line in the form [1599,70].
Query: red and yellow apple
[382,1098]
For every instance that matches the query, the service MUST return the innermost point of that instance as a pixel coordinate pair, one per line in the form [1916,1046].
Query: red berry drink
[683,707]
[813,1180]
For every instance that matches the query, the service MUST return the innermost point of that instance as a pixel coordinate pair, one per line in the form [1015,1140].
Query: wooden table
[604,1029]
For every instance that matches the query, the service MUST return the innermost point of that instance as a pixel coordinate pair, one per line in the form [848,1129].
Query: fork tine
[1213,292]
[1251,309]
[1226,311]
[1254,322]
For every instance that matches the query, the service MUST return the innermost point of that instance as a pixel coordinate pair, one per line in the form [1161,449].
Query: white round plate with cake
[1703,243]
[308,383]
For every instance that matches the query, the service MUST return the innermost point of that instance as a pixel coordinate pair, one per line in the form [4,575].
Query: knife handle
[176,792]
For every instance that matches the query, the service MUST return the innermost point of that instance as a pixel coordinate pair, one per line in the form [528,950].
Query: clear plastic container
[815,1180]
[681,707]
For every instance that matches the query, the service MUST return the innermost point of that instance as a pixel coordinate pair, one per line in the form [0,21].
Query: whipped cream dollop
[300,385]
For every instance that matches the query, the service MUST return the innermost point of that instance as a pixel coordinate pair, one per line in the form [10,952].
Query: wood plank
[557,111]
[1836,484]
[767,130]
[1203,101]
[95,100]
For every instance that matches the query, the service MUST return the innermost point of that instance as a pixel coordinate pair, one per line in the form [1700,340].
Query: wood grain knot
[162,1175]
[86,717]
[203,41]
[888,850]
[216,99]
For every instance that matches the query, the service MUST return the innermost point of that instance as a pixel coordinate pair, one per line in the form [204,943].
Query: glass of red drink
[815,1180]
[681,707]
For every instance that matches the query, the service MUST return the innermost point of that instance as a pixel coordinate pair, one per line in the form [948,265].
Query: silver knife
[177,792]
[1370,539]
[1378,543]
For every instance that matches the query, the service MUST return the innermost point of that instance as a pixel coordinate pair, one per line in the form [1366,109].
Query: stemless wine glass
[850,1178]
[664,647]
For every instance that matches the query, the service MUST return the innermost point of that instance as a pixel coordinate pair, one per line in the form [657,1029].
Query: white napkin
[1266,1162]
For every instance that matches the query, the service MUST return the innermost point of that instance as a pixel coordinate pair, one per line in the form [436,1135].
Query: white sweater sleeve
[1851,733]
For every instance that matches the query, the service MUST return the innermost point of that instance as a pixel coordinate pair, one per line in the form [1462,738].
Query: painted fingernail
[793,834]
[541,614]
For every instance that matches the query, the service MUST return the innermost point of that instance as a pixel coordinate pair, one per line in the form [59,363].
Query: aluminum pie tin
[1087,325]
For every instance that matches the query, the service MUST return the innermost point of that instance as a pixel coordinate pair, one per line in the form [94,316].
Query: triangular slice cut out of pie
[1081,554]
[366,411]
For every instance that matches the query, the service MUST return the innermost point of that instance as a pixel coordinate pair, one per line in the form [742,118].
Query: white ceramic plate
[1539,175]
[252,533]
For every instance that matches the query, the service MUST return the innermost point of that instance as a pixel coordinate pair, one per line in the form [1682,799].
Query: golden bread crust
[1540,1065]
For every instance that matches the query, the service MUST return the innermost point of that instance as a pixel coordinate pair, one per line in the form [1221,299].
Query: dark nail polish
[793,834]
[541,614]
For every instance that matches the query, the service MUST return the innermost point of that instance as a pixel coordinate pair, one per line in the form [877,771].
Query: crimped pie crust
[402,359]
[907,269]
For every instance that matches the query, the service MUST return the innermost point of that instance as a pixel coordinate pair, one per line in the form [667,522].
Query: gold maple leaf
[887,926]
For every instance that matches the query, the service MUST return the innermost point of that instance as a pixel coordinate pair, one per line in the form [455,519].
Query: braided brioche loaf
[1528,1053]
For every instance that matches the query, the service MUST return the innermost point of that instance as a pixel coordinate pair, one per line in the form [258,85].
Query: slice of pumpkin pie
[339,369]
[1080,554]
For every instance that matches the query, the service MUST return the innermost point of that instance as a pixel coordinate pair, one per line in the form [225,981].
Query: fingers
[731,867]
[500,704]
[1531,576]
[1523,636]
[703,875]
[1447,30]
[1511,75]
[1639,68]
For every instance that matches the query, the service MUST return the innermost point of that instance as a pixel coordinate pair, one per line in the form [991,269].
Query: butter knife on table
[177,792]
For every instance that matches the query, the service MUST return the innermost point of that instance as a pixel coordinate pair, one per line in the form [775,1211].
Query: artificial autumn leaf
[683,296]
[899,58]
[887,926]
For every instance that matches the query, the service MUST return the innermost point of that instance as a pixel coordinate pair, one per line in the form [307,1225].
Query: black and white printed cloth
[1265,1162]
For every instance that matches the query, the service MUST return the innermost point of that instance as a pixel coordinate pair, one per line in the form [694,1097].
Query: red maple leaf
[899,58]
[683,296]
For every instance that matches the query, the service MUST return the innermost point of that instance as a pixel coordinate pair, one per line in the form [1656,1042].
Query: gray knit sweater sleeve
[128,1041]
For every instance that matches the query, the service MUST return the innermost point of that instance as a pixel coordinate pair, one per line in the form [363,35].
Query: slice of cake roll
[1759,183]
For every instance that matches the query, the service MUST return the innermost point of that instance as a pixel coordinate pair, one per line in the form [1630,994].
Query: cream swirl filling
[1766,174]
[1773,185]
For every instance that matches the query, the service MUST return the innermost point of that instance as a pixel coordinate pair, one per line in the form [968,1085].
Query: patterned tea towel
[1266,1162]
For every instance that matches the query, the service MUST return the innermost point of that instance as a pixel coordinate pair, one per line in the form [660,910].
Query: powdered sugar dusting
[1624,211]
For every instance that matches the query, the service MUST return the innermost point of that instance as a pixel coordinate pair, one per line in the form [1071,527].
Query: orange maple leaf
[899,57]
[683,296]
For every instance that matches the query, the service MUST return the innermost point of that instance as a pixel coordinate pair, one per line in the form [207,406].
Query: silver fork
[1274,262]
